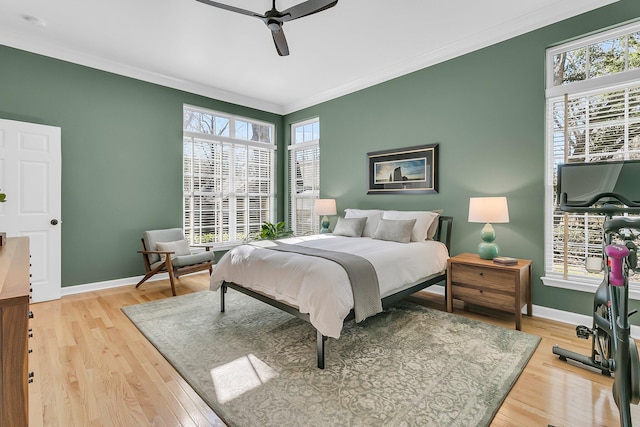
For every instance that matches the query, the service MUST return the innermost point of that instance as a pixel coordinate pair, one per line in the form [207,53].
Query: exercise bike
[613,350]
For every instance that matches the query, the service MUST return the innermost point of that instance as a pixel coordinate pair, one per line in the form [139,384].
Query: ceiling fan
[274,19]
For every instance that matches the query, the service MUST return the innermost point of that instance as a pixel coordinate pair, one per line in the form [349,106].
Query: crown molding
[536,19]
[58,52]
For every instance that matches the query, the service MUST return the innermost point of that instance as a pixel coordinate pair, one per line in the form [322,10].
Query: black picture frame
[410,170]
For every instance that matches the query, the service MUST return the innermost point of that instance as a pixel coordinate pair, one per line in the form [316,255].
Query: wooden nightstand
[481,282]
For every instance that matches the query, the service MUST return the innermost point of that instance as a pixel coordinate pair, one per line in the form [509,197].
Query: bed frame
[443,234]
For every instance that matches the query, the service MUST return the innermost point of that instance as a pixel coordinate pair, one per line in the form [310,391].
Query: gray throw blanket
[362,275]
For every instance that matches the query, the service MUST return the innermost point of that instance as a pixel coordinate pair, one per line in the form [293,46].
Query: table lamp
[325,207]
[488,210]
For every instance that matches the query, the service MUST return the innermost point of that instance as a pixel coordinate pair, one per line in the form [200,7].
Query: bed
[319,290]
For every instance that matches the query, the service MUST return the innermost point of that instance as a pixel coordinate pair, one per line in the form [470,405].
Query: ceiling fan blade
[309,7]
[231,8]
[281,42]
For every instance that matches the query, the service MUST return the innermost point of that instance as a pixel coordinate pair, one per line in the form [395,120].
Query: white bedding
[321,287]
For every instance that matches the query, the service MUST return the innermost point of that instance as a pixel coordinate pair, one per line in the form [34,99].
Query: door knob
[54,222]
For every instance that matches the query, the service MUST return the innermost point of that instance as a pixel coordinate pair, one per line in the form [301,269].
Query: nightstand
[484,283]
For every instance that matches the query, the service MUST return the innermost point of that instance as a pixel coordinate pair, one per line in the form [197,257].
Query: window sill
[586,285]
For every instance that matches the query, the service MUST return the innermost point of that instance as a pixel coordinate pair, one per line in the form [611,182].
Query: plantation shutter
[228,177]
[305,188]
[601,125]
[304,177]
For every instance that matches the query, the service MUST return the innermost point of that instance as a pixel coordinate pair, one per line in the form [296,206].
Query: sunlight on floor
[237,377]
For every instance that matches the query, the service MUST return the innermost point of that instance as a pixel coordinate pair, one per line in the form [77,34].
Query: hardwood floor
[93,368]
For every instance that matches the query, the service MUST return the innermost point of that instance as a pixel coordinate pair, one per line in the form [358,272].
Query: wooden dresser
[482,282]
[14,325]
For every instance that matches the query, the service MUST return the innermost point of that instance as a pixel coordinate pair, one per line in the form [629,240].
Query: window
[228,176]
[593,114]
[304,176]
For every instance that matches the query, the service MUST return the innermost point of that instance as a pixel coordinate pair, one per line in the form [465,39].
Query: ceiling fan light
[274,25]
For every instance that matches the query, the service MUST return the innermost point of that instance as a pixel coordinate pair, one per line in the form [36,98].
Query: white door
[30,176]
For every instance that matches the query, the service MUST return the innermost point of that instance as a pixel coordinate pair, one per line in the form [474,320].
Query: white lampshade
[488,209]
[325,207]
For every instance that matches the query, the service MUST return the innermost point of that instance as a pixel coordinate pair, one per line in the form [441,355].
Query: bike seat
[616,224]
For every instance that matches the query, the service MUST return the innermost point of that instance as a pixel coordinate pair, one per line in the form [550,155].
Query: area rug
[256,365]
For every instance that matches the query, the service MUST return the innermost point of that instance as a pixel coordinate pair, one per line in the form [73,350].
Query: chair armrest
[156,252]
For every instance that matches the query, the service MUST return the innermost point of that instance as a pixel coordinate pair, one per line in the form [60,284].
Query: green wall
[486,111]
[121,156]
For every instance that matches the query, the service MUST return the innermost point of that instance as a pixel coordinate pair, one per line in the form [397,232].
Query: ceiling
[191,46]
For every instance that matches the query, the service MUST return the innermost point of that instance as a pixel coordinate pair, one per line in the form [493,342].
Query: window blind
[602,125]
[228,177]
[304,177]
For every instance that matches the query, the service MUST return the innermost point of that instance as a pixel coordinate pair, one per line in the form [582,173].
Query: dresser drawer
[483,277]
[485,298]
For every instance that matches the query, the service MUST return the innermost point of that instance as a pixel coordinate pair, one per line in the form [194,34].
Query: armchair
[168,251]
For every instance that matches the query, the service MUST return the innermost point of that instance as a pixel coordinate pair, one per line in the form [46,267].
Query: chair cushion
[192,259]
[186,260]
[153,236]
[180,247]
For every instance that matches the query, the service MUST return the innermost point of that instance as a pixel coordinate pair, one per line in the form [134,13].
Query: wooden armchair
[168,251]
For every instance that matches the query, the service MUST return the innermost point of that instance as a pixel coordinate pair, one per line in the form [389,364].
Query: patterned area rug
[256,366]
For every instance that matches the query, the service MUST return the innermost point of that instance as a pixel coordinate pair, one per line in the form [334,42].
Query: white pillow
[180,247]
[424,219]
[373,218]
[431,232]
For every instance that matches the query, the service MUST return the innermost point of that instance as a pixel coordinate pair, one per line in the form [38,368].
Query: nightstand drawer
[481,276]
[484,298]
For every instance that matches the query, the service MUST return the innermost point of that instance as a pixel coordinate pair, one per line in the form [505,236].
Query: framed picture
[411,170]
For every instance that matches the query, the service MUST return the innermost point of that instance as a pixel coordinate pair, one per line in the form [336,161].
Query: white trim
[550,314]
[122,69]
[229,140]
[116,283]
[229,116]
[536,19]
[584,284]
[539,18]
[109,284]
[538,311]
[572,318]
[600,36]
[596,84]
[303,145]
[305,122]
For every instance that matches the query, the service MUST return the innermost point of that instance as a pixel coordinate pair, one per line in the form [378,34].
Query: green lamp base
[487,249]
[325,225]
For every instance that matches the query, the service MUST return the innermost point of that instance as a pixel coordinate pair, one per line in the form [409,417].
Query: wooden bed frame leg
[320,348]
[223,290]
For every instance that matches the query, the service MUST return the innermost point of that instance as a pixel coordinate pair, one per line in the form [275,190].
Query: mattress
[320,287]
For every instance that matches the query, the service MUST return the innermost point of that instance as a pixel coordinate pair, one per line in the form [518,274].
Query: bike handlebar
[607,209]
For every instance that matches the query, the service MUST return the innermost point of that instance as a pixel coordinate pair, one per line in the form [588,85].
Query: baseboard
[538,311]
[109,284]
[550,313]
